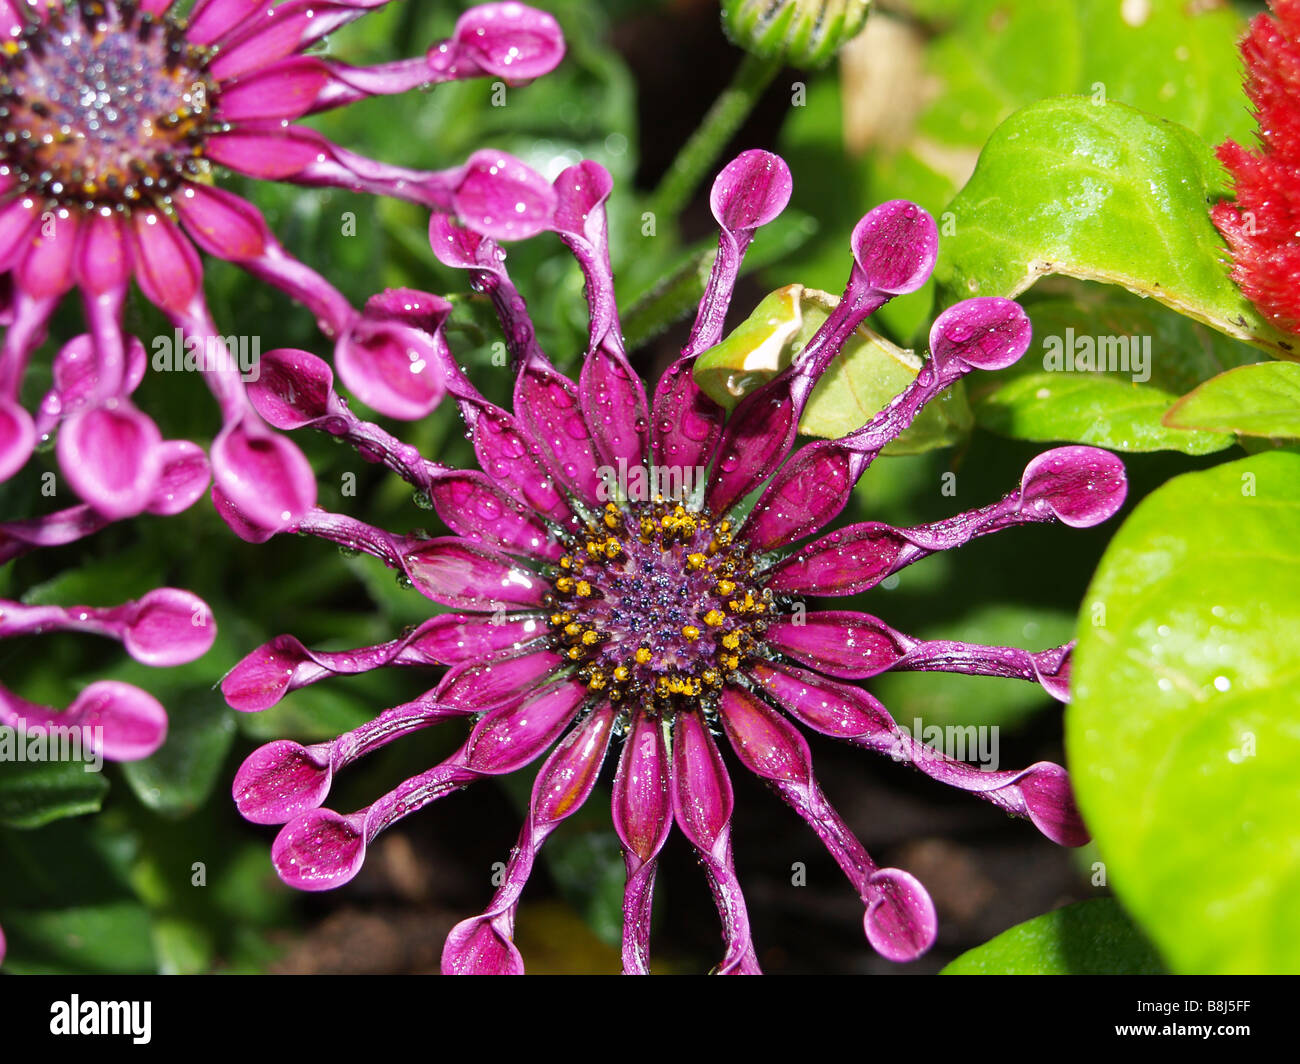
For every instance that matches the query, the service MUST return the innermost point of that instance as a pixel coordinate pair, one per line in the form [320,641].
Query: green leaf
[1104,368]
[868,372]
[178,778]
[1184,732]
[110,938]
[919,96]
[1259,400]
[1087,938]
[35,793]
[1101,192]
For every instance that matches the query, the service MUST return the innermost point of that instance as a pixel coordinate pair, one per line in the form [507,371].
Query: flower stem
[724,118]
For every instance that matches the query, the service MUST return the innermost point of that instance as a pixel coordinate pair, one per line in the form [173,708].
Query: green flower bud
[802,33]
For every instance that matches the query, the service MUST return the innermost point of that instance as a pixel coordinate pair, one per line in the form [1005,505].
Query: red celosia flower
[1263,226]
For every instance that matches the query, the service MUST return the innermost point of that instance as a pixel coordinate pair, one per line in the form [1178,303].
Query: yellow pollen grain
[714,618]
[583,589]
[644,656]
[697,560]
[621,673]
[573,628]
[590,638]
[564,583]
[725,588]
[691,633]
[731,640]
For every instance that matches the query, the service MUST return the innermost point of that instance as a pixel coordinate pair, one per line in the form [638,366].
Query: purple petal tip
[1083,486]
[985,333]
[320,849]
[900,920]
[282,780]
[895,246]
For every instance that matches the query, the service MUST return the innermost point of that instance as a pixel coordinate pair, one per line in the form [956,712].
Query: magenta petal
[805,494]
[642,807]
[766,743]
[166,265]
[463,576]
[841,563]
[473,507]
[509,40]
[751,190]
[48,267]
[111,457]
[248,530]
[169,627]
[840,643]
[287,89]
[702,797]
[643,817]
[392,368]
[293,388]
[566,780]
[513,461]
[78,381]
[1082,486]
[510,737]
[499,196]
[273,154]
[104,253]
[458,638]
[320,849]
[262,678]
[900,920]
[223,224]
[1049,802]
[282,780]
[260,42]
[687,423]
[987,333]
[126,723]
[547,403]
[478,947]
[756,440]
[263,475]
[17,438]
[213,19]
[478,685]
[894,245]
[614,401]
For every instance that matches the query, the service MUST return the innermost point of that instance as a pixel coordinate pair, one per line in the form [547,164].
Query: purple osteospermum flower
[112,114]
[584,610]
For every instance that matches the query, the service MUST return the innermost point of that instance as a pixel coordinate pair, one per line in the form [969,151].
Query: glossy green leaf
[1101,192]
[112,938]
[1260,400]
[1104,368]
[1087,938]
[865,376]
[179,777]
[920,96]
[36,793]
[1184,733]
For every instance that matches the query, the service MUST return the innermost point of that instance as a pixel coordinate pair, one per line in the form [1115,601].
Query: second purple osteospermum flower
[113,116]
[586,610]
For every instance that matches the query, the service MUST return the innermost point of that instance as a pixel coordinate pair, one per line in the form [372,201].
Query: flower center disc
[658,605]
[103,108]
